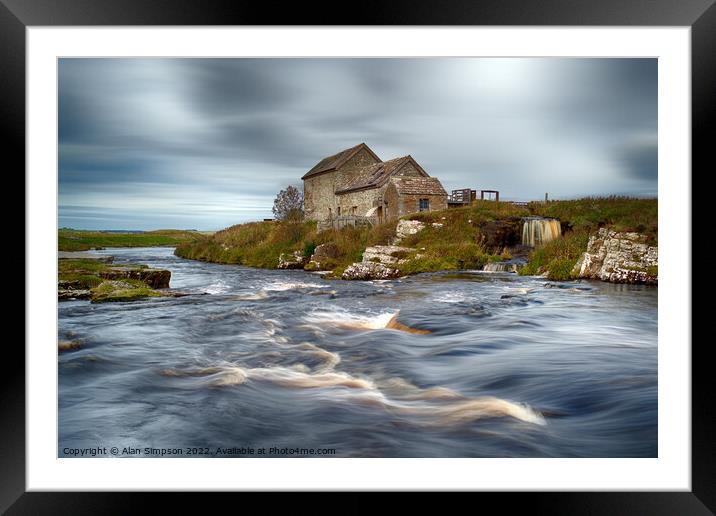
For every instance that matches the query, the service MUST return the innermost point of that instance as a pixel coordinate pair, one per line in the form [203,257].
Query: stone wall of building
[362,158]
[411,203]
[391,202]
[359,202]
[318,196]
[319,199]
[408,170]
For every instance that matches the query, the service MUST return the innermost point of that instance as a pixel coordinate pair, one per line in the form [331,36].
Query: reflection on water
[462,364]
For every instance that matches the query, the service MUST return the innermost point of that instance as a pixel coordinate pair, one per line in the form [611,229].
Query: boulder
[407,227]
[68,345]
[72,289]
[369,271]
[323,251]
[323,257]
[386,254]
[155,278]
[619,258]
[73,293]
[295,260]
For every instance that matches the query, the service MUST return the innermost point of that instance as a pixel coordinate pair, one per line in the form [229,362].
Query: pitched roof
[335,161]
[374,175]
[412,185]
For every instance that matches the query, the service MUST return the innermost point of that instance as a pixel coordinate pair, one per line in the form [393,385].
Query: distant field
[78,240]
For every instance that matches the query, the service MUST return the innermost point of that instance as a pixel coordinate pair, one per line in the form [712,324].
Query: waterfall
[539,231]
[500,267]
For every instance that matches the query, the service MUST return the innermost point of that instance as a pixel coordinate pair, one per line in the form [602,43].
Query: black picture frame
[700,15]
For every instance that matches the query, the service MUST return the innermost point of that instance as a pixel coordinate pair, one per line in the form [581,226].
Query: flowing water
[536,231]
[461,364]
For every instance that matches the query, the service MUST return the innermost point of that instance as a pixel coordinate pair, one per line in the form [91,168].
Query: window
[330,213]
[339,211]
[354,210]
[424,204]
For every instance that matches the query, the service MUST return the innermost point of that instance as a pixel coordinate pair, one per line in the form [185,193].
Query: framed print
[416,252]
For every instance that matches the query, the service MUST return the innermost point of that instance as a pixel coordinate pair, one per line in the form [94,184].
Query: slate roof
[335,161]
[372,176]
[411,185]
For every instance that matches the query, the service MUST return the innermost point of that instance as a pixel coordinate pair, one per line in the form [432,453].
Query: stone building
[356,183]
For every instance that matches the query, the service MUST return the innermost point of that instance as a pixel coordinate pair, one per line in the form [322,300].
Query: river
[288,361]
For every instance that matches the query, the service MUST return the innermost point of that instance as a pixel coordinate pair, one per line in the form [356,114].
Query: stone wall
[411,203]
[318,196]
[362,158]
[391,202]
[361,200]
[408,170]
[319,199]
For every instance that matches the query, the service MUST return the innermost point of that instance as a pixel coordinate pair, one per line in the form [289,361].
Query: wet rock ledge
[95,278]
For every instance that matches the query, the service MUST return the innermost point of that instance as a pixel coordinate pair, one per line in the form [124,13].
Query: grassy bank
[80,240]
[259,244]
[452,239]
[454,245]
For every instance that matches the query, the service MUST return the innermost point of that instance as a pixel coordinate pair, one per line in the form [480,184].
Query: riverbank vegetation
[460,238]
[580,218]
[591,213]
[81,240]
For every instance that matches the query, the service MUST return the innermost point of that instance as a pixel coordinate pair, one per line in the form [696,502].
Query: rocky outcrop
[72,289]
[323,257]
[619,258]
[378,262]
[369,271]
[386,254]
[407,227]
[155,278]
[296,260]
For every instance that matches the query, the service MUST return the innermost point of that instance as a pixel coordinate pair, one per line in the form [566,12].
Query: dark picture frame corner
[17,15]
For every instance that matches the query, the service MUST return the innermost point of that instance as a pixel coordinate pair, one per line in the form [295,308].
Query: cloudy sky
[206,143]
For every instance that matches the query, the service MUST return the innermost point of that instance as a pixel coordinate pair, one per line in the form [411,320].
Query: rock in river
[369,271]
[386,254]
[110,291]
[155,278]
[294,261]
